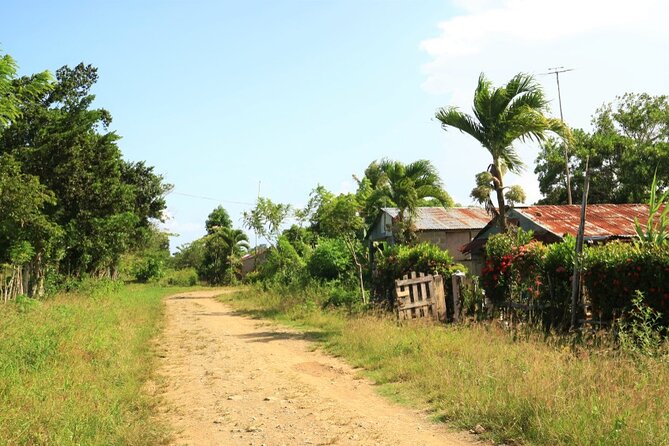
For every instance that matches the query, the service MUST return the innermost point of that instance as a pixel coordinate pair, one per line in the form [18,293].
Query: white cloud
[502,28]
[614,46]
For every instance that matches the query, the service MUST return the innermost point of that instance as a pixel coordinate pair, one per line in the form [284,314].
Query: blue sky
[220,96]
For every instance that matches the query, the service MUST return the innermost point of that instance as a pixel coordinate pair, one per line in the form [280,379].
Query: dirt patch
[232,380]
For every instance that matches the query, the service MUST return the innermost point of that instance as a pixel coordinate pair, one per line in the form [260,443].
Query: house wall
[250,263]
[382,228]
[450,241]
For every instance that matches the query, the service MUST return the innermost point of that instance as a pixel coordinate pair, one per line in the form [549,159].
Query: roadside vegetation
[77,221]
[519,385]
[517,371]
[73,367]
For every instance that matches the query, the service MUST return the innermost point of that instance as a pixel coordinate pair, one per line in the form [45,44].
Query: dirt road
[231,380]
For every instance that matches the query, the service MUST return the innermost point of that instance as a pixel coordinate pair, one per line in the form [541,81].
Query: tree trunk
[496,172]
[351,246]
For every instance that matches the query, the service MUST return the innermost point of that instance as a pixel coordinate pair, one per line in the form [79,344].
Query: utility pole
[576,278]
[557,71]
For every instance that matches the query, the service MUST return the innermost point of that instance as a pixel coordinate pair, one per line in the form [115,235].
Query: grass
[521,389]
[72,368]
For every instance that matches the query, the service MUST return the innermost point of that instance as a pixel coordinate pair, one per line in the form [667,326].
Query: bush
[150,268]
[180,277]
[399,260]
[614,272]
[340,297]
[500,280]
[283,264]
[330,260]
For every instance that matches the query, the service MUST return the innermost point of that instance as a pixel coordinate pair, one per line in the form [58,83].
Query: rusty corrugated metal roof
[602,220]
[436,218]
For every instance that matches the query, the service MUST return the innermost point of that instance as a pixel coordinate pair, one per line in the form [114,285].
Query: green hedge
[528,272]
[613,272]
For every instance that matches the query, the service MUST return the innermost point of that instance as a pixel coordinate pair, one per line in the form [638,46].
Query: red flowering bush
[510,266]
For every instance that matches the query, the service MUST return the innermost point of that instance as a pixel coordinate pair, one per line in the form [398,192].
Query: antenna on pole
[556,71]
[256,232]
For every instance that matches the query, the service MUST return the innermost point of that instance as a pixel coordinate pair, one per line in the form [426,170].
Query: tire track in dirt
[232,380]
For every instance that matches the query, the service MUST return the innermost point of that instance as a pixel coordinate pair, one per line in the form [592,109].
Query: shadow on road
[269,336]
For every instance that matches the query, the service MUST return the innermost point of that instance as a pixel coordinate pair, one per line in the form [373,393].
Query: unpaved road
[231,380]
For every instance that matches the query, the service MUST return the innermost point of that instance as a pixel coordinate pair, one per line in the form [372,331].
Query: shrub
[614,272]
[283,263]
[150,268]
[180,277]
[499,278]
[399,260]
[330,260]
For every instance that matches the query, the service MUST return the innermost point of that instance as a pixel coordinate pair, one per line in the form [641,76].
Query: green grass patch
[72,368]
[522,389]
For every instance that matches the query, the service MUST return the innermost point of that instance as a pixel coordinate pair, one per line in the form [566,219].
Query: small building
[448,228]
[551,223]
[252,260]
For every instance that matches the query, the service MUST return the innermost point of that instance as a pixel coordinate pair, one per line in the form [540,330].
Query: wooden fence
[420,296]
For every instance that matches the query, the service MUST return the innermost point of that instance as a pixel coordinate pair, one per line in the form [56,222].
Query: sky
[229,98]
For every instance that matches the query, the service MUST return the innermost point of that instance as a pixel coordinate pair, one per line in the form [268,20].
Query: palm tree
[222,251]
[406,186]
[503,116]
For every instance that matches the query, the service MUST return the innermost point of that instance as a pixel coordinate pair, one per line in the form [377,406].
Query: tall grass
[72,368]
[522,389]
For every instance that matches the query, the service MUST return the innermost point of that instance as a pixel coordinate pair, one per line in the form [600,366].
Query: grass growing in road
[72,368]
[522,390]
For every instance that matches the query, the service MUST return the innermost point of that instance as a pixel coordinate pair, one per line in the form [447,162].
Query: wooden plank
[418,304]
[405,281]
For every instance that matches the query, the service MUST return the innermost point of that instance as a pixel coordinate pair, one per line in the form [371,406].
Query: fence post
[456,280]
[439,298]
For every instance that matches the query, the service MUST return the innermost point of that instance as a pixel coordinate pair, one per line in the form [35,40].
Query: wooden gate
[420,296]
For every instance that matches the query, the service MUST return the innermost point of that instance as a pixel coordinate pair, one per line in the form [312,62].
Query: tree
[405,186]
[266,219]
[103,204]
[629,140]
[14,92]
[28,239]
[339,218]
[502,116]
[218,218]
[222,249]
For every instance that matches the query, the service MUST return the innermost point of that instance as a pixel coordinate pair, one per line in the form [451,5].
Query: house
[252,260]
[550,223]
[448,228]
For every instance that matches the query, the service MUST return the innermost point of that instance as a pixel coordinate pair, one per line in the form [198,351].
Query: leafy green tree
[218,218]
[190,255]
[222,250]
[630,139]
[502,116]
[14,92]
[339,218]
[267,218]
[103,204]
[28,239]
[330,260]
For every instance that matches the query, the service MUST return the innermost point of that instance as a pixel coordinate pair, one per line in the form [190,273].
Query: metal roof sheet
[602,220]
[437,218]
